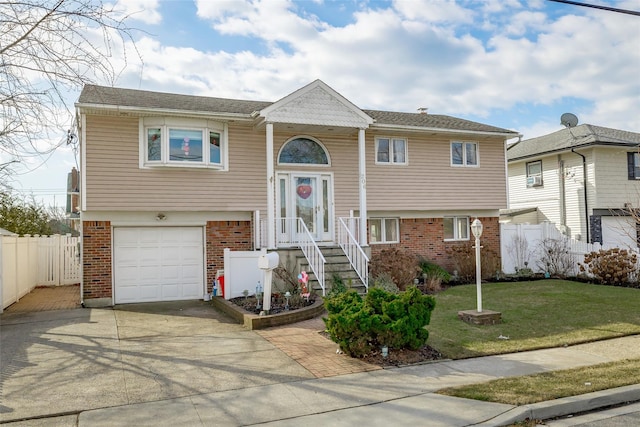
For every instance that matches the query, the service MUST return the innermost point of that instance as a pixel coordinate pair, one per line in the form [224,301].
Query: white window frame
[456,235]
[205,127]
[392,156]
[304,165]
[465,160]
[383,231]
[533,182]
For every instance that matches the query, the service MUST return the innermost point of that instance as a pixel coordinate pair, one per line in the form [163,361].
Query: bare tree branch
[47,50]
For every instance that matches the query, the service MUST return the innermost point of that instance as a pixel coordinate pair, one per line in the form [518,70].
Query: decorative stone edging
[255,321]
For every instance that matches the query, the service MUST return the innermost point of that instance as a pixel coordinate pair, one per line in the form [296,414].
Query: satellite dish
[569,120]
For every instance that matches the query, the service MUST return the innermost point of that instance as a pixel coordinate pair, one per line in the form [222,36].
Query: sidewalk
[400,396]
[183,364]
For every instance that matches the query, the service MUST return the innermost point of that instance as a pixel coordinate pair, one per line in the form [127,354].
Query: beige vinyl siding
[114,180]
[612,185]
[429,182]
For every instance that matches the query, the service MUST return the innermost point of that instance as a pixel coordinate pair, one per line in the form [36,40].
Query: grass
[551,385]
[536,314]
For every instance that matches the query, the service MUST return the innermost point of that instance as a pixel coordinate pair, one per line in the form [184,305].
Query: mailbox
[268,261]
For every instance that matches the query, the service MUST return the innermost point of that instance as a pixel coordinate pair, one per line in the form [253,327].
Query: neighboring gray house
[547,178]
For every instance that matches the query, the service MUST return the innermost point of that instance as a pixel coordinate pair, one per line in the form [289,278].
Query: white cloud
[140,10]
[404,57]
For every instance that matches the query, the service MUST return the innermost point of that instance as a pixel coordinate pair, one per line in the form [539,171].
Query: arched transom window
[303,150]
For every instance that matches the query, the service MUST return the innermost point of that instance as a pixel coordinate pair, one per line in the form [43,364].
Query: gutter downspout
[584,179]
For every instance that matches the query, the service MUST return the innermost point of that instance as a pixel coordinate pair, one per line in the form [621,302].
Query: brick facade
[97,241]
[235,235]
[425,237]
[96,257]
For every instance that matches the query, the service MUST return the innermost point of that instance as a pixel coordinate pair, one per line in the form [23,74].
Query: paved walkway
[44,298]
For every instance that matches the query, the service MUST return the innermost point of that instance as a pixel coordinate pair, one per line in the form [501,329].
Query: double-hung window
[534,174]
[383,230]
[456,228]
[391,151]
[189,144]
[633,165]
[464,154]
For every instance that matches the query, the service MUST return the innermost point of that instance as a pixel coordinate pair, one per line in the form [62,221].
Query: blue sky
[517,64]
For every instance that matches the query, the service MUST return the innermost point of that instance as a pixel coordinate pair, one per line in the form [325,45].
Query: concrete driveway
[60,362]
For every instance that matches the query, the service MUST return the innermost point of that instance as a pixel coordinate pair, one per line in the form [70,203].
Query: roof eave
[84,107]
[441,130]
[567,149]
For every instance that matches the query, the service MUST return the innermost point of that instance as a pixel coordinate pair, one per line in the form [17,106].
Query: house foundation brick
[235,235]
[425,237]
[96,272]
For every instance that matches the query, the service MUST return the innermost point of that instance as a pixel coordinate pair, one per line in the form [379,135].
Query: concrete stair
[337,267]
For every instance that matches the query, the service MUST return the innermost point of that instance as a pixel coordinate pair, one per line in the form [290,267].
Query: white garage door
[158,264]
[619,231]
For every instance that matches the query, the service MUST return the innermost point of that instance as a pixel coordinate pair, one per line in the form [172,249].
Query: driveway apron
[58,362]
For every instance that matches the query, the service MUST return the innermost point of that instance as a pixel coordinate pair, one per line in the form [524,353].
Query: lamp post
[476,229]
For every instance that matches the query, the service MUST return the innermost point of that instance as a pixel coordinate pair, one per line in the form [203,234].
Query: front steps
[337,267]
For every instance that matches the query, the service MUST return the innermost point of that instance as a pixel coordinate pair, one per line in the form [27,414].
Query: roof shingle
[118,97]
[565,139]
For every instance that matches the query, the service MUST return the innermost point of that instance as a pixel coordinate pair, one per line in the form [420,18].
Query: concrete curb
[567,406]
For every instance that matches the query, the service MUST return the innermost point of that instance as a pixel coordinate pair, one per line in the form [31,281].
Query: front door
[309,197]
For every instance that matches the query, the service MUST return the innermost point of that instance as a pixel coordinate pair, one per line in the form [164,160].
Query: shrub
[338,286]
[617,267]
[401,266]
[382,318]
[556,259]
[433,275]
[464,260]
[385,281]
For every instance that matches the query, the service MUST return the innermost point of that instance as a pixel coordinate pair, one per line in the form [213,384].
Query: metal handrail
[312,252]
[294,232]
[354,252]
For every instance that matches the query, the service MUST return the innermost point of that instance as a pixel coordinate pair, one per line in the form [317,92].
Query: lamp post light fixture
[476,229]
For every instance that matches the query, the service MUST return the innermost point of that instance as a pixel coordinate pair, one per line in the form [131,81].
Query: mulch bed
[403,357]
[278,304]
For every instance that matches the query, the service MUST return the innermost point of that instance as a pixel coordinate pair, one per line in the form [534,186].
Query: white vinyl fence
[522,247]
[31,261]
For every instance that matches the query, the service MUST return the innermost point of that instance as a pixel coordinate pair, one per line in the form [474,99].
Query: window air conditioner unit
[534,181]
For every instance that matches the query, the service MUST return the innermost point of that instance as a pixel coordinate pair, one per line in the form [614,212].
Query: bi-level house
[169,181]
[585,179]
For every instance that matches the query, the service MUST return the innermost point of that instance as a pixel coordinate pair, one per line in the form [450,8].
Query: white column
[362,173]
[271,191]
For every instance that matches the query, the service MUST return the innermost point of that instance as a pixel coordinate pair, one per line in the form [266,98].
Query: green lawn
[536,314]
[551,385]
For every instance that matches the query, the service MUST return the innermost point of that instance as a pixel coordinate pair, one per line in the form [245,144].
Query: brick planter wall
[96,257]
[235,235]
[425,237]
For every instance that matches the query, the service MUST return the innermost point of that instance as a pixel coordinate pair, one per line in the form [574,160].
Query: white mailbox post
[267,263]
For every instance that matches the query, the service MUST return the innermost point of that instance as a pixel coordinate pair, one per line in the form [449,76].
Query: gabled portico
[313,108]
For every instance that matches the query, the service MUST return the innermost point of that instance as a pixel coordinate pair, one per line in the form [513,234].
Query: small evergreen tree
[22,216]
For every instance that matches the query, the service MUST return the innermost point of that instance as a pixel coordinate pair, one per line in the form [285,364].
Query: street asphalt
[184,364]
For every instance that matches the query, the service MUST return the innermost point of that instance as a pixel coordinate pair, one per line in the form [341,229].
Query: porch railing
[347,230]
[311,252]
[294,232]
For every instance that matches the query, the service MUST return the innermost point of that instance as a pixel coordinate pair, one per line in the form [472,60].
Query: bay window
[194,143]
